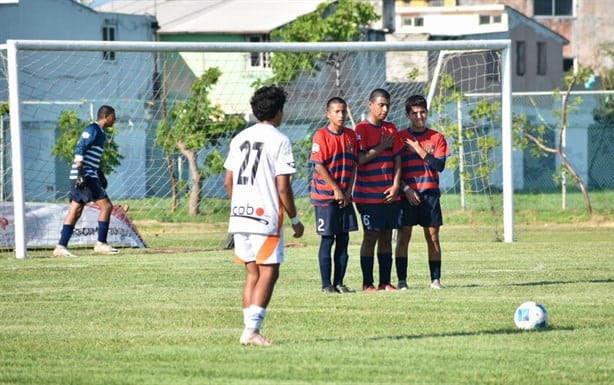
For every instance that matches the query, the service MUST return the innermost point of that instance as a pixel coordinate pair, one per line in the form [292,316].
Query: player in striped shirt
[334,153]
[88,184]
[424,157]
[376,189]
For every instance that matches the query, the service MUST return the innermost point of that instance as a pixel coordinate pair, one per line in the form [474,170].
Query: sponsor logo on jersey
[249,212]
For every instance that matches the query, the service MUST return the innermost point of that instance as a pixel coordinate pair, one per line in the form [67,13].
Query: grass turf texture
[172,318]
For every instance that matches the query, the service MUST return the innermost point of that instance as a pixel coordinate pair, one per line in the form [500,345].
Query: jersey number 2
[253,157]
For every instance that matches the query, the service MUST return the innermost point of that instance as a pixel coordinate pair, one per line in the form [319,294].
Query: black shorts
[333,219]
[426,214]
[92,192]
[378,217]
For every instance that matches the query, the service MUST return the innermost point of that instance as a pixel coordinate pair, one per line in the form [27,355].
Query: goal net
[167,185]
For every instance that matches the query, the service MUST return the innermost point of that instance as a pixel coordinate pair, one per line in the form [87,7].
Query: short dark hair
[335,100]
[415,101]
[105,111]
[267,101]
[379,92]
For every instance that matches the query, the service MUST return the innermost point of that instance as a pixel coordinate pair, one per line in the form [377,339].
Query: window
[521,58]
[412,21]
[490,19]
[553,7]
[567,63]
[108,34]
[259,59]
[541,58]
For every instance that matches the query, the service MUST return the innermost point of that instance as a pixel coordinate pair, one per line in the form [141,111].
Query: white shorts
[264,249]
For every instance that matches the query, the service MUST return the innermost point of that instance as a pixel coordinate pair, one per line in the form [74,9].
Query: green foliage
[302,152]
[196,122]
[70,127]
[4,109]
[340,21]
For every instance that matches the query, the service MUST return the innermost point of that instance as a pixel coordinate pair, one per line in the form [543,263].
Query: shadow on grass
[538,283]
[507,331]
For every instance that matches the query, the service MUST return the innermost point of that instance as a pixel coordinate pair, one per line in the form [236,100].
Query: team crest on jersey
[315,148]
[429,148]
[85,135]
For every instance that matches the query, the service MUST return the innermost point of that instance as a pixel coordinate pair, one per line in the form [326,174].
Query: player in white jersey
[258,170]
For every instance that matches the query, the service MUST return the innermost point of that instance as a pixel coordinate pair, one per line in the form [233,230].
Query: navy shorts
[378,217]
[92,192]
[333,219]
[426,214]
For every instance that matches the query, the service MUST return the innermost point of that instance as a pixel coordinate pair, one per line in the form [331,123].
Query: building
[58,82]
[586,24]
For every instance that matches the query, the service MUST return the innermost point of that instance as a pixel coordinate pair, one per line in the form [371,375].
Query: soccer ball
[530,316]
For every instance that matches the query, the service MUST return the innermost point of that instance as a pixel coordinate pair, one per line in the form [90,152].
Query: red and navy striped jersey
[374,177]
[415,171]
[338,153]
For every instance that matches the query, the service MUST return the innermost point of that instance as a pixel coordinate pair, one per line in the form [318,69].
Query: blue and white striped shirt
[89,150]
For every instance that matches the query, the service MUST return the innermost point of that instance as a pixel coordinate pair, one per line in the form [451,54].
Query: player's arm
[435,164]
[367,156]
[286,195]
[392,192]
[228,182]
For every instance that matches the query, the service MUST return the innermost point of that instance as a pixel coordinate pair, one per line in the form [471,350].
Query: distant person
[334,154]
[424,157]
[258,169]
[376,189]
[88,184]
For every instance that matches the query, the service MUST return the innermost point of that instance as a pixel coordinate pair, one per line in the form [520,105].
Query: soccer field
[146,317]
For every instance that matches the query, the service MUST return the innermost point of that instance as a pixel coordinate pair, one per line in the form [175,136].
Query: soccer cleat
[402,285]
[343,289]
[104,248]
[386,287]
[62,252]
[328,290]
[255,339]
[368,288]
[436,284]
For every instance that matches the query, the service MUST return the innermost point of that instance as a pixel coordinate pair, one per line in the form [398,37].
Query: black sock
[366,265]
[385,267]
[435,268]
[401,266]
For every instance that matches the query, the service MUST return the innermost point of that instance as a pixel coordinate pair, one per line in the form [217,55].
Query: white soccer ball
[531,315]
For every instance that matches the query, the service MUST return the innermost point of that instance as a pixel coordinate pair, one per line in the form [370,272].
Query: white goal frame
[14,46]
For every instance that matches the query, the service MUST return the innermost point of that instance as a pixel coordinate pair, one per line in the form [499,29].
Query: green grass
[174,318]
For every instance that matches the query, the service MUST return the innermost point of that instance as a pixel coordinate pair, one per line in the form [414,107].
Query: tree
[527,133]
[194,124]
[342,21]
[70,128]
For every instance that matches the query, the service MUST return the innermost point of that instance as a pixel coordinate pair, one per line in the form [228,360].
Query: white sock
[255,317]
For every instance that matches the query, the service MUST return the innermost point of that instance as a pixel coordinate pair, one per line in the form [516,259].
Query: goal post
[145,80]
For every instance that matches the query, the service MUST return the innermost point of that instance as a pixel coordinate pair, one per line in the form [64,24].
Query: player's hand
[80,183]
[412,197]
[299,229]
[390,194]
[103,179]
[387,141]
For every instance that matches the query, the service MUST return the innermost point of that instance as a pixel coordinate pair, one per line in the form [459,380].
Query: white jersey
[257,156]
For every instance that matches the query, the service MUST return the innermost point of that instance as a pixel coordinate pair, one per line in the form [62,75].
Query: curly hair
[267,101]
